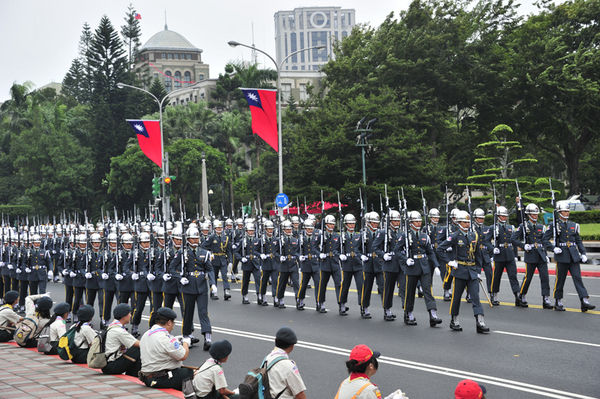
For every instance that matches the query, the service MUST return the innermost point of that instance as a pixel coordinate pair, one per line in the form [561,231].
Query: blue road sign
[282,200]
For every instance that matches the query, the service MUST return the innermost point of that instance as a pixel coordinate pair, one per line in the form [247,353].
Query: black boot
[207,341]
[586,305]
[524,303]
[434,320]
[468,298]
[454,324]
[495,300]
[364,313]
[409,319]
[387,315]
[480,323]
[299,304]
[343,311]
[546,304]
[558,305]
[447,297]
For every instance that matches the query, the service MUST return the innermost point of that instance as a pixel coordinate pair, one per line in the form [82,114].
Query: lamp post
[233,43]
[165,161]
[361,141]
[205,191]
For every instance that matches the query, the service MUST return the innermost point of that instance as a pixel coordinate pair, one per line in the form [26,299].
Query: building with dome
[169,56]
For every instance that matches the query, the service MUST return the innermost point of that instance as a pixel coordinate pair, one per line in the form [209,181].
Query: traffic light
[156,187]
[168,180]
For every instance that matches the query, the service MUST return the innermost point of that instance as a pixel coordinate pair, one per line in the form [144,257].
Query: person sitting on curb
[84,334]
[121,348]
[37,308]
[285,381]
[162,354]
[8,317]
[209,380]
[58,326]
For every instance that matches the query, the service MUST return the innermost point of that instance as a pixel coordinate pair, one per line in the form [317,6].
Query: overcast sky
[39,37]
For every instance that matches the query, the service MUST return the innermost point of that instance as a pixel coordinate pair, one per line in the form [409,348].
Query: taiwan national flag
[148,135]
[264,114]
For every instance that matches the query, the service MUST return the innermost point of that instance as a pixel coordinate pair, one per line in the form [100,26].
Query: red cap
[468,389]
[362,353]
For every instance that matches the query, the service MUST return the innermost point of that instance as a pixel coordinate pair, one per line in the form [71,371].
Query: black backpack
[256,382]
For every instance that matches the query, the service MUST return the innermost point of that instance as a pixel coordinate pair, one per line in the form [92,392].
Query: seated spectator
[469,389]
[58,325]
[84,334]
[285,381]
[8,317]
[209,380]
[37,308]
[122,349]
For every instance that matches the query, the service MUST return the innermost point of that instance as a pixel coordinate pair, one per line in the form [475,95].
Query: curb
[584,273]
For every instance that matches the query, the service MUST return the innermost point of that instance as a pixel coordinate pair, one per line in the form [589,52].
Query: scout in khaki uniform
[8,317]
[284,378]
[209,380]
[122,348]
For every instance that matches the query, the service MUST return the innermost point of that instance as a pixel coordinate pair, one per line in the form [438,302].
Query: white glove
[244,260]
[230,268]
[479,276]
[150,277]
[436,271]
[364,258]
[50,275]
[166,277]
[449,249]
[10,267]
[104,276]
[496,251]
[18,271]
[65,272]
[322,255]
[302,258]
[453,264]
[410,262]
[282,258]
[234,246]
[263,256]
[135,276]
[547,259]
[2,264]
[88,275]
[387,257]
[73,274]
[27,270]
[557,250]
[53,252]
[527,247]
[397,394]
[184,281]
[186,340]
[119,276]
[213,289]
[583,258]
[343,257]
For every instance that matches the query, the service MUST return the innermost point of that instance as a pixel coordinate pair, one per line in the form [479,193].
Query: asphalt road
[530,353]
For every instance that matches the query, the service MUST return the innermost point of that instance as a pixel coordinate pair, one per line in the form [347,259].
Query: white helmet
[81,239]
[478,213]
[228,222]
[217,223]
[462,216]
[239,221]
[269,225]
[502,211]
[192,232]
[144,237]
[160,232]
[95,237]
[562,206]
[295,220]
[250,226]
[127,238]
[36,238]
[329,219]
[205,226]
[286,224]
[349,218]
[532,209]
[311,217]
[394,215]
[372,217]
[414,216]
[308,224]
[112,237]
[177,232]
[454,213]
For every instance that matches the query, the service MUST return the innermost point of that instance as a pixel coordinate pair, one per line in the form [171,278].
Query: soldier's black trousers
[472,289]
[170,300]
[411,287]
[511,271]
[107,301]
[264,281]
[90,295]
[78,298]
[282,280]
[33,287]
[401,278]
[346,281]
[447,277]
[189,303]
[368,287]
[246,280]
[2,286]
[544,279]
[389,285]
[140,304]
[324,276]
[561,276]
[125,296]
[487,269]
[7,284]
[23,285]
[156,301]
[304,280]
[69,295]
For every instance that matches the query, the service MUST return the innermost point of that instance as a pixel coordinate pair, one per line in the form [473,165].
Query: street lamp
[233,43]
[165,161]
[361,141]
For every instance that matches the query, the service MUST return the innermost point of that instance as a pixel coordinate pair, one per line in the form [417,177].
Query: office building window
[293,46]
[168,80]
[177,79]
[303,94]
[286,91]
[187,76]
[291,21]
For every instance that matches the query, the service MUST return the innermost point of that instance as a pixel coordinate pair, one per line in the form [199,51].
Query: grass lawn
[590,231]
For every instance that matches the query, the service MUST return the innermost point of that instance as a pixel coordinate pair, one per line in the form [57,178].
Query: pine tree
[131,33]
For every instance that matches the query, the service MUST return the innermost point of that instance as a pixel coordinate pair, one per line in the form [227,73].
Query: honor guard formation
[130,261]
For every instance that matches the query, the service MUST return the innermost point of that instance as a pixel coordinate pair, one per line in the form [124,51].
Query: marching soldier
[127,264]
[330,262]
[109,282]
[191,267]
[288,267]
[392,270]
[296,226]
[22,274]
[170,287]
[464,258]
[352,261]
[504,257]
[486,246]
[219,244]
[416,253]
[270,264]
[432,231]
[309,262]
[66,261]
[568,252]
[80,262]
[145,257]
[92,273]
[5,262]
[529,236]
[156,270]
[373,267]
[248,252]
[38,265]
[442,235]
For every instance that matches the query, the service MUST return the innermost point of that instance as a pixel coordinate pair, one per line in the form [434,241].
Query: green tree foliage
[131,33]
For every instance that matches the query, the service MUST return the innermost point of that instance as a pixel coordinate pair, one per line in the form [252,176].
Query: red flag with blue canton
[262,104]
[148,135]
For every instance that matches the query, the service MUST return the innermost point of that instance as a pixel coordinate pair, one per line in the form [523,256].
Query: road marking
[568,341]
[430,368]
[592,295]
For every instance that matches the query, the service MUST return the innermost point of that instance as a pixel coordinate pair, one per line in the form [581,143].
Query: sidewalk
[29,374]
[587,269]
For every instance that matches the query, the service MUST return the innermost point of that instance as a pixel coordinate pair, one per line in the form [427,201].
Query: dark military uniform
[22,274]
[170,283]
[288,269]
[128,264]
[393,273]
[441,236]
[140,285]
[92,284]
[270,268]
[330,266]
[533,233]
[373,268]
[309,267]
[352,267]
[4,270]
[248,252]
[505,259]
[80,266]
[38,263]
[65,265]
[221,247]
[486,246]
[157,268]
[112,262]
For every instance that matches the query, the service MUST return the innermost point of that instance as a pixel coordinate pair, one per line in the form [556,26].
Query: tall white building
[308,27]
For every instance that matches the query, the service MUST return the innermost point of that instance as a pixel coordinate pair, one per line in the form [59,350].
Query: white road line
[592,295]
[430,368]
[568,341]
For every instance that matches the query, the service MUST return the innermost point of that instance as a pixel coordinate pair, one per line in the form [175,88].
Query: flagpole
[233,43]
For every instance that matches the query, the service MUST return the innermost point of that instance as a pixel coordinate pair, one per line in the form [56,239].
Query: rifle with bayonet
[406,230]
[425,213]
[521,211]
[386,227]
[321,248]
[341,224]
[554,219]
[469,208]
